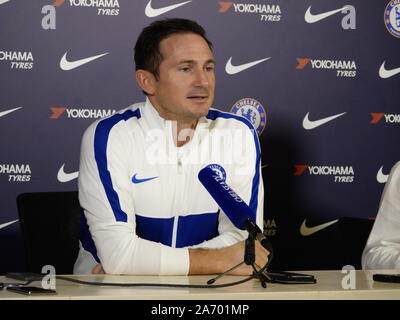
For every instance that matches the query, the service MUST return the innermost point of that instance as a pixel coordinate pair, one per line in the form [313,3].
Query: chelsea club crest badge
[392,18]
[253,111]
[219,170]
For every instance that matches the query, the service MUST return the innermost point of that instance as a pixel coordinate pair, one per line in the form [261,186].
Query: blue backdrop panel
[327,77]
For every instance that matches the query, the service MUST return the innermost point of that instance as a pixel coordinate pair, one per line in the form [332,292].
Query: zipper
[178,199]
[178,186]
[179,166]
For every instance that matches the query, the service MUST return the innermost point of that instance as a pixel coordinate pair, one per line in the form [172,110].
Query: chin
[201,112]
[197,109]
[201,108]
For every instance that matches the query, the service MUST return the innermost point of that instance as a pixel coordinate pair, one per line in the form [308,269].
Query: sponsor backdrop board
[318,79]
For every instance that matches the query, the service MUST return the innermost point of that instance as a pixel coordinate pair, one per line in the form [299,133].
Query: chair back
[50,229]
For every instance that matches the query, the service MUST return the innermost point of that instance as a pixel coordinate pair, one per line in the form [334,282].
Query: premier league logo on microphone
[220,171]
[253,111]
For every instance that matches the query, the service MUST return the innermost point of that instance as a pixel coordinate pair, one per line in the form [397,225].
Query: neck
[183,131]
[183,127]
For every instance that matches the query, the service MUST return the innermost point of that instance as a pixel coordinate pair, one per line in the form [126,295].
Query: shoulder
[396,168]
[228,120]
[394,176]
[238,125]
[391,191]
[116,121]
[132,112]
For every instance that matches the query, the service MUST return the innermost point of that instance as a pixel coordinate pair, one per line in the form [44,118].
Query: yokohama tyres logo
[343,68]
[387,117]
[103,7]
[17,59]
[16,172]
[266,12]
[77,113]
[339,173]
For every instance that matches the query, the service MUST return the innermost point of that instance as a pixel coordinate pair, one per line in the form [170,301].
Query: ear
[146,81]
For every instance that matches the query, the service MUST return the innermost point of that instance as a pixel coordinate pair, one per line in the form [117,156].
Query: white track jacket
[143,205]
[383,246]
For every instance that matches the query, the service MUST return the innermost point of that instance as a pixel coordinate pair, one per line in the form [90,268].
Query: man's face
[184,90]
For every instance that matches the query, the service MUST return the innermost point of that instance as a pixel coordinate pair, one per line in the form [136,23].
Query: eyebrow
[194,62]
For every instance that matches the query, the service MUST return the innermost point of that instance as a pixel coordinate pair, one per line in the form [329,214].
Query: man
[383,246]
[145,208]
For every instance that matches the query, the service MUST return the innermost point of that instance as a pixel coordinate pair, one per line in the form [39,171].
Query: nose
[201,78]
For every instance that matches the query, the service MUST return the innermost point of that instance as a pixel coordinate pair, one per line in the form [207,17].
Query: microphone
[238,212]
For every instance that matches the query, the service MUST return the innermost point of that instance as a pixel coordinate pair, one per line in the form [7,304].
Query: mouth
[198,98]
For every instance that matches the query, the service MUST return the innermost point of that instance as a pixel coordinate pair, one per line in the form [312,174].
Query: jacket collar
[155,121]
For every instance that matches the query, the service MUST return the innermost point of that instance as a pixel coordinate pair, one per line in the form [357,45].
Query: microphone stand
[249,259]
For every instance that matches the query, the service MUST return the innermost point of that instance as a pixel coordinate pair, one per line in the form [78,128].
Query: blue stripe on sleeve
[86,238]
[155,229]
[214,114]
[192,229]
[100,151]
[196,228]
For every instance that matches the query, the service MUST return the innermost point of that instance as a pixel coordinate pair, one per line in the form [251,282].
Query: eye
[184,69]
[210,68]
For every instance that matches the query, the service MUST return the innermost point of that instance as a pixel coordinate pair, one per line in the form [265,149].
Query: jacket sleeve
[246,180]
[383,246]
[105,194]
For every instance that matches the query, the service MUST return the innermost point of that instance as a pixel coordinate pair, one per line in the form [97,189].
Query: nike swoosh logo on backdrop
[137,180]
[69,65]
[151,12]
[380,177]
[7,224]
[66,177]
[3,113]
[311,18]
[384,73]
[230,69]
[308,124]
[3,1]
[306,231]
